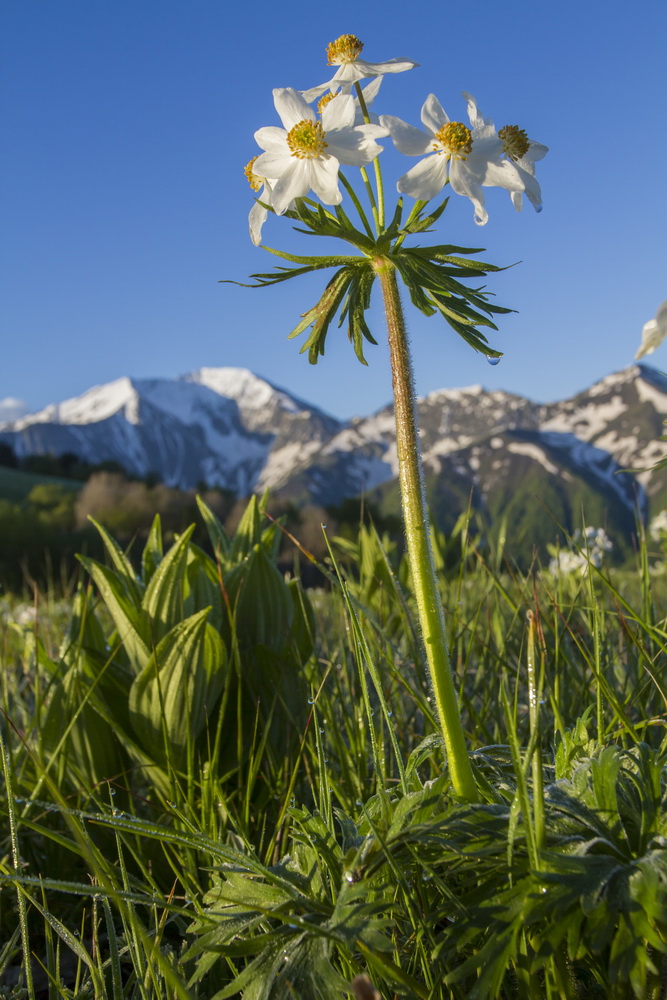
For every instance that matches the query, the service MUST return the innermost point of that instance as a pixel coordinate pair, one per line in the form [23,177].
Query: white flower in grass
[512,145]
[345,53]
[654,333]
[466,156]
[306,153]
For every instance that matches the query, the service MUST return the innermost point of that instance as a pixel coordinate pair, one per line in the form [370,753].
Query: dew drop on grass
[493,361]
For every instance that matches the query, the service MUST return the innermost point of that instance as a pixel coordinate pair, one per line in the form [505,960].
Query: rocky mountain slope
[228,427]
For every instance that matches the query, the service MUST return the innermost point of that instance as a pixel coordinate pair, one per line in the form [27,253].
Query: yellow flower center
[253,180]
[454,138]
[323,101]
[306,140]
[345,49]
[515,141]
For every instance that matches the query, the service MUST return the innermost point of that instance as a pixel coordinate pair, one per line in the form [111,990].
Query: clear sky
[126,127]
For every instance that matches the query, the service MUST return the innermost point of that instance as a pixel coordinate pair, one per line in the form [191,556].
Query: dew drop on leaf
[493,361]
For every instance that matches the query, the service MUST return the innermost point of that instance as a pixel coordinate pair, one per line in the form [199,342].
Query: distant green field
[16,485]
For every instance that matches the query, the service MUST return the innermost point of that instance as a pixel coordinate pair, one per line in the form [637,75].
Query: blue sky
[126,127]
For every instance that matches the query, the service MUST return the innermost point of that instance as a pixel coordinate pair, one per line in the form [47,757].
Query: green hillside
[16,485]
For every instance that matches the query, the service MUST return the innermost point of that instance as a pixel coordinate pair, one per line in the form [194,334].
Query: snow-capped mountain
[228,427]
[223,426]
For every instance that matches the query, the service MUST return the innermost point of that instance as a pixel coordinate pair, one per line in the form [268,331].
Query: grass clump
[216,784]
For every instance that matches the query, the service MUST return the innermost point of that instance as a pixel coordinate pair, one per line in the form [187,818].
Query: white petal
[465,183]
[324,179]
[315,92]
[371,90]
[347,74]
[378,69]
[271,137]
[651,338]
[256,219]
[372,130]
[653,333]
[426,179]
[291,107]
[273,163]
[338,113]
[536,151]
[293,183]
[408,140]
[433,114]
[532,188]
[502,173]
[474,113]
[351,147]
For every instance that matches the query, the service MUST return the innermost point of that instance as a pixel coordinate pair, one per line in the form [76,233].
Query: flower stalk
[424,580]
[305,155]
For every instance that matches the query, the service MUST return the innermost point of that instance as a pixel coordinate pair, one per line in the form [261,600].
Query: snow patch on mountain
[587,421]
[98,403]
[533,451]
[282,463]
[648,393]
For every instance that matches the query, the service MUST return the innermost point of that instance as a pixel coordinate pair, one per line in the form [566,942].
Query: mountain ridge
[228,427]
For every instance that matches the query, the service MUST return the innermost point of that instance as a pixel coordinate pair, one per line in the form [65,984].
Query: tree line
[43,529]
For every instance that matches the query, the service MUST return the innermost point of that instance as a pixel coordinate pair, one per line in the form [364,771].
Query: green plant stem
[371,198]
[357,204]
[424,580]
[376,161]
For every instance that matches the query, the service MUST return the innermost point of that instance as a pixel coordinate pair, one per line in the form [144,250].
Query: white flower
[344,53]
[470,158]
[592,542]
[513,146]
[654,332]
[305,155]
[658,527]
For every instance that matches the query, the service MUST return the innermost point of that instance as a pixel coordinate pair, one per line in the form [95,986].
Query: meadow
[217,783]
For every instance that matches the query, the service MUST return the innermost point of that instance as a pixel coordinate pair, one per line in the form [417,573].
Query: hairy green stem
[424,580]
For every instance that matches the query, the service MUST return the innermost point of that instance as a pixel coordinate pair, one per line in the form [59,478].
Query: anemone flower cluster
[306,154]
